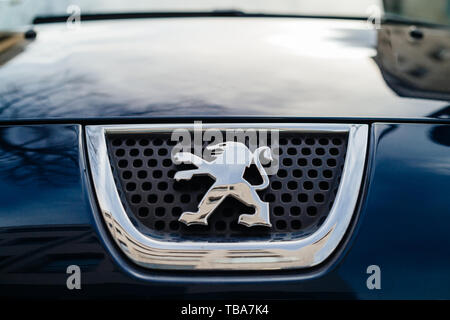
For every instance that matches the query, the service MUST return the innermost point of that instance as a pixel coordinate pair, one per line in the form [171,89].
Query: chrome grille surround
[155,253]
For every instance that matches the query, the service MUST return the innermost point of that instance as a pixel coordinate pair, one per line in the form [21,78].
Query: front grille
[300,195]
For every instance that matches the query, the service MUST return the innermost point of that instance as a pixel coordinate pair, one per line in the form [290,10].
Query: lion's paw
[189,218]
[252,220]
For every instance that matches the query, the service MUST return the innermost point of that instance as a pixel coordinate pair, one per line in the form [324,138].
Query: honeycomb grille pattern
[300,195]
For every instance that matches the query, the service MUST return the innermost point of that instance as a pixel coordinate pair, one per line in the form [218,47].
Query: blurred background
[16,13]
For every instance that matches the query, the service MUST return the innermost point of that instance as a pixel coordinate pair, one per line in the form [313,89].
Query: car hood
[195,67]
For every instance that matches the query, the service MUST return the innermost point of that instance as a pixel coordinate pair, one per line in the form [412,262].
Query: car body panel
[198,67]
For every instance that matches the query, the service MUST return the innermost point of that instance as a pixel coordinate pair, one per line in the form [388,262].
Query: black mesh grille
[300,195]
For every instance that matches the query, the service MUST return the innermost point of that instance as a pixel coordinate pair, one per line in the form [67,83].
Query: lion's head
[237,153]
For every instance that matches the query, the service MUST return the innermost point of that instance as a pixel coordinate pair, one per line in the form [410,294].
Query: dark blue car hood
[203,67]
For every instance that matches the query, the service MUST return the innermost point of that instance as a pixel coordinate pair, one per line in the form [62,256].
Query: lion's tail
[261,170]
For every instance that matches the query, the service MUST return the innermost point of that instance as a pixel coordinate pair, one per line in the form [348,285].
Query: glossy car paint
[220,67]
[49,221]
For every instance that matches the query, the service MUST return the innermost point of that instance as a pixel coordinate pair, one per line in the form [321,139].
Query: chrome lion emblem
[230,159]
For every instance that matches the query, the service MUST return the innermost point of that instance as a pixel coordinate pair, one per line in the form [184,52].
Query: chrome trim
[256,255]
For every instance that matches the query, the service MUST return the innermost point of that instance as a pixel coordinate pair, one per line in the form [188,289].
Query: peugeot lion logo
[230,159]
